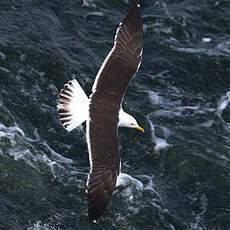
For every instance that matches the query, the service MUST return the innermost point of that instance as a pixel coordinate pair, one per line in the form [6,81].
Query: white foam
[131,190]
[224,47]
[126,180]
[20,149]
[150,187]
[24,155]
[155,98]
[207,124]
[39,226]
[147,182]
[161,144]
[206,39]
[11,131]
[4,70]
[2,56]
[88,3]
[97,13]
[56,156]
[223,103]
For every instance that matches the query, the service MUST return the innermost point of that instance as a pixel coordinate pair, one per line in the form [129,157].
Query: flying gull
[103,111]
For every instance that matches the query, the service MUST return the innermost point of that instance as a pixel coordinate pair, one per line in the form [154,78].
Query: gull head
[126,120]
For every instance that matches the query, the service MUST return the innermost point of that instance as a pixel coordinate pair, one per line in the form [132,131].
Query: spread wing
[109,88]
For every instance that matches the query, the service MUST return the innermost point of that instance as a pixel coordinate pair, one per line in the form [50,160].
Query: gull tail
[73,105]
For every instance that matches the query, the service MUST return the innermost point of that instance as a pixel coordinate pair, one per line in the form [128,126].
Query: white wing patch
[73,105]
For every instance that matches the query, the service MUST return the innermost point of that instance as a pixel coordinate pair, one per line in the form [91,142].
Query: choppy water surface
[176,175]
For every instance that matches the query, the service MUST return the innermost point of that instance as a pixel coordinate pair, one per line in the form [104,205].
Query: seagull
[103,110]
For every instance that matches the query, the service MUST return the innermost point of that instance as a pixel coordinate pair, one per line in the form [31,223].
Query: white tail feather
[73,105]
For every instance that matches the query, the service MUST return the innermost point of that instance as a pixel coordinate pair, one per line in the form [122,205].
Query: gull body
[74,108]
[103,111]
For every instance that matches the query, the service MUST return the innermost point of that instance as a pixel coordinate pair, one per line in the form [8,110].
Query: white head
[126,120]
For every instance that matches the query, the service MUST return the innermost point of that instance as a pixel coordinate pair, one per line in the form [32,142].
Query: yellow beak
[140,129]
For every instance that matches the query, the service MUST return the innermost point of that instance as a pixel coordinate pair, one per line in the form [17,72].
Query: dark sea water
[176,175]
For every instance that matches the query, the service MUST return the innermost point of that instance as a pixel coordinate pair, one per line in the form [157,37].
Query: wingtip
[137,3]
[94,217]
[95,212]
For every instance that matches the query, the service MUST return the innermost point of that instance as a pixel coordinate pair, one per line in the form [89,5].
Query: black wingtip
[95,215]
[94,219]
[137,3]
[96,210]
[133,19]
